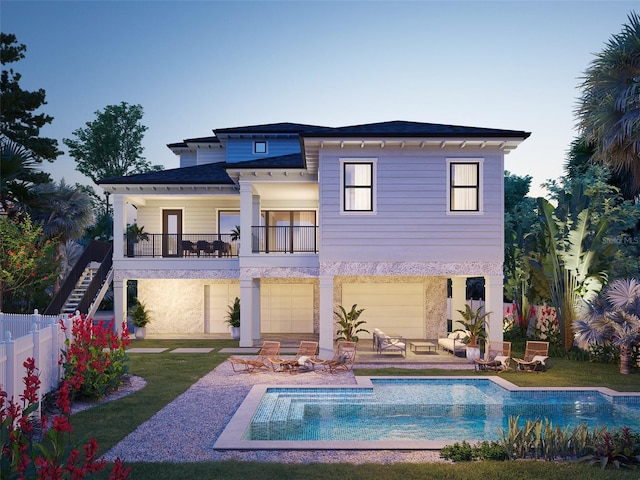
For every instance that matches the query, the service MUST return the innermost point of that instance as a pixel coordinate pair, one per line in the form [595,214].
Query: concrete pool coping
[231,437]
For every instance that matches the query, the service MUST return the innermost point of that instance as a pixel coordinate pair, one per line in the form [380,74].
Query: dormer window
[259,147]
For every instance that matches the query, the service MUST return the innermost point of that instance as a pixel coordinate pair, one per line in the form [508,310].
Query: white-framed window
[464,185]
[259,147]
[358,185]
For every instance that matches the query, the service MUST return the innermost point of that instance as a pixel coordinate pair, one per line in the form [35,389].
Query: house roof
[293,160]
[271,128]
[210,173]
[399,128]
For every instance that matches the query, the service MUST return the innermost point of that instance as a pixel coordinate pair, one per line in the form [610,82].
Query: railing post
[11,387]
[35,319]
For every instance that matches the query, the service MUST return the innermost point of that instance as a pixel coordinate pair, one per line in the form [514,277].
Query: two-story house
[298,219]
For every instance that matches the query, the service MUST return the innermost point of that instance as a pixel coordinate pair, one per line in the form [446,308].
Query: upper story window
[259,147]
[358,185]
[464,181]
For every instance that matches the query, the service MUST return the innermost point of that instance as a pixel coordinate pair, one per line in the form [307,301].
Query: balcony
[269,240]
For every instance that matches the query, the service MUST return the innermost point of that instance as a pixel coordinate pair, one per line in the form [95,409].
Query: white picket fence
[38,336]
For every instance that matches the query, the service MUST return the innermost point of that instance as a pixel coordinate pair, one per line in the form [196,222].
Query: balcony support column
[493,302]
[119,226]
[249,311]
[246,218]
[458,299]
[119,301]
[326,317]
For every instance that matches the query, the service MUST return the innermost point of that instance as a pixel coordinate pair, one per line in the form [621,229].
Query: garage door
[395,308]
[286,308]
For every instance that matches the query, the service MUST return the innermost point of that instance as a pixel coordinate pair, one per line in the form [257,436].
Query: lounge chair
[342,361]
[306,351]
[269,349]
[387,343]
[535,357]
[498,357]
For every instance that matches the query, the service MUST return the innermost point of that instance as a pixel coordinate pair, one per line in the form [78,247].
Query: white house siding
[241,150]
[199,214]
[413,307]
[188,159]
[411,222]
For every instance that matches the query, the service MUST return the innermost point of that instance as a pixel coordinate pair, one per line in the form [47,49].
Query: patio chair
[388,343]
[205,247]
[535,357]
[341,362]
[269,349]
[498,357]
[189,248]
[306,351]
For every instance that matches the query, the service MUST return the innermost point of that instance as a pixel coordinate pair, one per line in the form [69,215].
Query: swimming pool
[415,412]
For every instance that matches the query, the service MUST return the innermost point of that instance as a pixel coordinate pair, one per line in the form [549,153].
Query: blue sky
[197,66]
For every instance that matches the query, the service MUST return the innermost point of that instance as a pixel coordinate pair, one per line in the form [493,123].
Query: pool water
[427,409]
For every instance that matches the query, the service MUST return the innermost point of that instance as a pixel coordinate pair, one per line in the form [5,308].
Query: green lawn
[168,376]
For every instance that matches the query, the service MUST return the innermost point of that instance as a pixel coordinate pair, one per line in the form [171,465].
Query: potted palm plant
[139,317]
[474,323]
[233,318]
[135,234]
[349,323]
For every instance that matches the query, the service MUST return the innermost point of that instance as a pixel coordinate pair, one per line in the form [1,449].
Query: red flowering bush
[94,360]
[53,456]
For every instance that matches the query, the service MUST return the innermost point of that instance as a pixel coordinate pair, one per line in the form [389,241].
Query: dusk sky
[197,66]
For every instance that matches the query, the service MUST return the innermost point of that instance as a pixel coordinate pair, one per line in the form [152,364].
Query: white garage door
[286,308]
[395,308]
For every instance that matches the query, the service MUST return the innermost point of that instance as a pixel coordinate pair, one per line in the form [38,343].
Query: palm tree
[609,108]
[612,318]
[18,174]
[64,211]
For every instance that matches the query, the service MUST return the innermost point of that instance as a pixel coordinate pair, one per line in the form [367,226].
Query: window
[464,186]
[358,186]
[259,147]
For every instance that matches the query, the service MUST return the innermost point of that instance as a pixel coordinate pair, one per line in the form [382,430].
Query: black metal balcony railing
[297,239]
[180,245]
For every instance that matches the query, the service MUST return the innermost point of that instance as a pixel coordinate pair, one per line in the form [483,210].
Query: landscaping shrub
[32,450]
[94,360]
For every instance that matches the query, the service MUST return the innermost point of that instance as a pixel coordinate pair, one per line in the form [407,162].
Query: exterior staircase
[77,294]
[87,282]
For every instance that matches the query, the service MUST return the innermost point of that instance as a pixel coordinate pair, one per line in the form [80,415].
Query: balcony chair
[205,248]
[189,248]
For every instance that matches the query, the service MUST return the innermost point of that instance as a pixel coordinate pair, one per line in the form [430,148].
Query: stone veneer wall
[435,298]
[177,305]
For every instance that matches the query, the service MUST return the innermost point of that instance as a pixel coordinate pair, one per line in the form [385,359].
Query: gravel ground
[186,429]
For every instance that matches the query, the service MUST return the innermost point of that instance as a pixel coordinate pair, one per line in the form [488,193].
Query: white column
[255,310]
[246,217]
[458,299]
[327,324]
[246,312]
[493,296]
[119,301]
[119,225]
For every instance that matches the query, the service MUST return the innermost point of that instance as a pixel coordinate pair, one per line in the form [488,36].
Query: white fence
[37,336]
